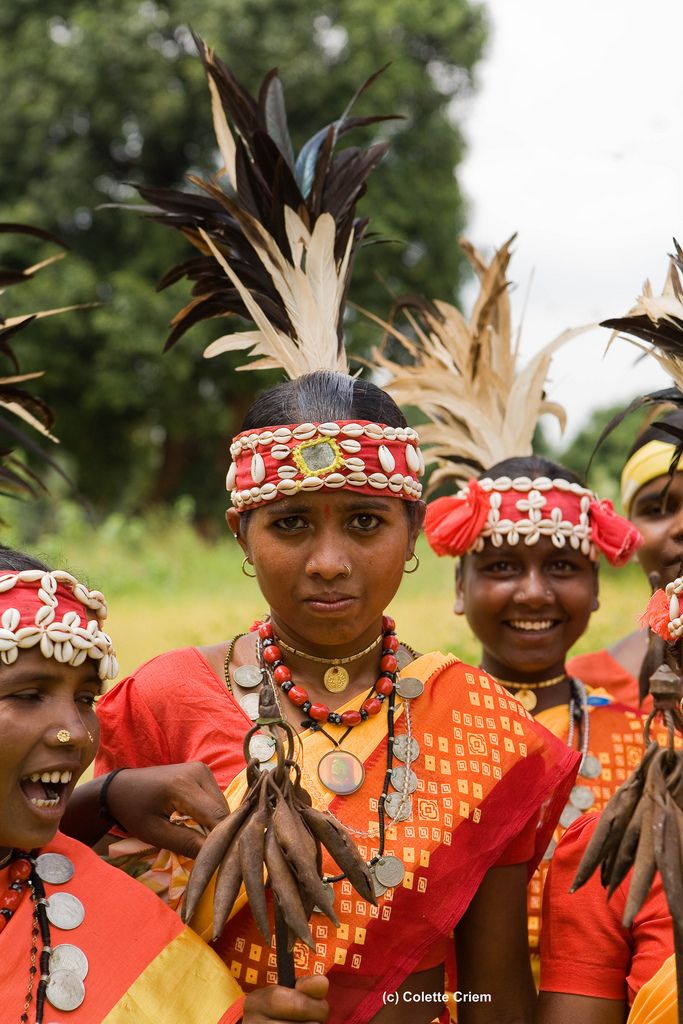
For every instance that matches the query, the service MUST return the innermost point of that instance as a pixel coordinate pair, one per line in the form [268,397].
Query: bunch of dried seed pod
[275,826]
[642,825]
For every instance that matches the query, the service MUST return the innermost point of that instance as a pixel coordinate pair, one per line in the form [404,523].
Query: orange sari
[144,966]
[492,782]
[657,1001]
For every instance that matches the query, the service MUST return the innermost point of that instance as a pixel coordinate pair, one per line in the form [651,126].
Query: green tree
[608,461]
[106,94]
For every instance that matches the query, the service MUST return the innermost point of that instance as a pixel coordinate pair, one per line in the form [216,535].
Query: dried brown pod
[275,831]
[642,825]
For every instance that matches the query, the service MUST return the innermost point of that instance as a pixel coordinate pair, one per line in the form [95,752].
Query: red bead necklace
[11,897]
[271,653]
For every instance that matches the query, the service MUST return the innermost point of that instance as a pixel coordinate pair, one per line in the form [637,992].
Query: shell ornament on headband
[57,614]
[522,510]
[354,454]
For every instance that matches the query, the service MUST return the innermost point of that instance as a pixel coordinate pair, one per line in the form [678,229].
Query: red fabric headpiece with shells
[663,613]
[57,614]
[512,510]
[357,455]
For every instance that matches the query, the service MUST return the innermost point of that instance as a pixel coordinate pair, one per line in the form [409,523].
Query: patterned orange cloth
[492,782]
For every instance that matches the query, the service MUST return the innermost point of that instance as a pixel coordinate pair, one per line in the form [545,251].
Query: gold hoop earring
[245,561]
[409,572]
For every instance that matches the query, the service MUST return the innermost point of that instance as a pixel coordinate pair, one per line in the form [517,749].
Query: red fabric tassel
[612,534]
[453,524]
[656,615]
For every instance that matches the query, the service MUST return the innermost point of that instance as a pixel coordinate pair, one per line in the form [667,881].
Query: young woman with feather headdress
[632,931]
[526,531]
[651,492]
[450,810]
[67,919]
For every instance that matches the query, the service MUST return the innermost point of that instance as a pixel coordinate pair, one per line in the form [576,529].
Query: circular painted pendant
[65,990]
[336,679]
[409,687]
[341,772]
[65,911]
[248,676]
[54,868]
[389,871]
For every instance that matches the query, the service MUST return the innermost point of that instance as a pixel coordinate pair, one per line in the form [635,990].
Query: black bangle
[103,807]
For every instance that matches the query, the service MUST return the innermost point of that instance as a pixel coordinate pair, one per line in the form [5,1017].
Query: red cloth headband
[521,509]
[358,455]
[55,612]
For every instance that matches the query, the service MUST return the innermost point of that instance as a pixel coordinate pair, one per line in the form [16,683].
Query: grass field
[168,588]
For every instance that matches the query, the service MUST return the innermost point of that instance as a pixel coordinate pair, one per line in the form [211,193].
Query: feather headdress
[465,375]
[276,235]
[15,401]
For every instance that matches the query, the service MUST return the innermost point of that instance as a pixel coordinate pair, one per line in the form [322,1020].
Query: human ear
[232,518]
[596,591]
[459,605]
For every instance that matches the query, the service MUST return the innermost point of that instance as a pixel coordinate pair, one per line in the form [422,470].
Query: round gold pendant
[336,679]
[527,698]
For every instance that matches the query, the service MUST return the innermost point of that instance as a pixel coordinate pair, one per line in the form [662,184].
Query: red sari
[492,782]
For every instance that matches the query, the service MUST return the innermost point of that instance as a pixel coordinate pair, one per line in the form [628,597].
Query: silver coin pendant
[389,871]
[248,676]
[569,814]
[398,779]
[582,797]
[54,868]
[65,990]
[401,748]
[397,808]
[250,705]
[67,957]
[409,687]
[591,767]
[377,886]
[65,911]
[261,747]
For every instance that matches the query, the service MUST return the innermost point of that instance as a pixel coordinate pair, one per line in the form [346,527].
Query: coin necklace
[339,770]
[581,797]
[524,692]
[335,678]
[62,970]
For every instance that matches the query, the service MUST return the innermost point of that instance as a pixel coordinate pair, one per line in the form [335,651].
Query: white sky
[576,141]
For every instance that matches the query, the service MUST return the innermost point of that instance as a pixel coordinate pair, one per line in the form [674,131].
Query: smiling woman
[66,919]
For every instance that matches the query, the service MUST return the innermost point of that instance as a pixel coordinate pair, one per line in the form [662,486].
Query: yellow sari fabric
[657,1001]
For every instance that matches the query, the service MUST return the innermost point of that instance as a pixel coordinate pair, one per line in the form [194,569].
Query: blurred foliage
[105,93]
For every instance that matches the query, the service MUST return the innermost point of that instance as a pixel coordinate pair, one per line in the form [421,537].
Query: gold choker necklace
[524,692]
[336,678]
